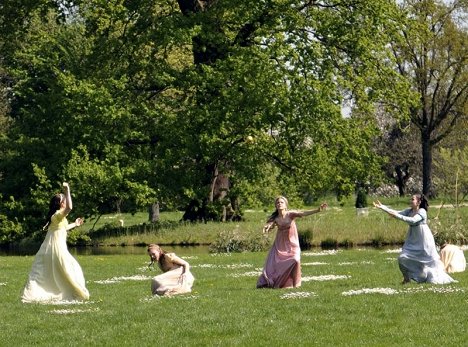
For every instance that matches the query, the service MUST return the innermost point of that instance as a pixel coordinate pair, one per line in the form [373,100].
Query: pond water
[115,250]
[105,250]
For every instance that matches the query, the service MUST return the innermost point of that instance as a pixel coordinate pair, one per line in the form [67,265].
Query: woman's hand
[377,204]
[323,206]
[65,186]
[79,222]
[267,227]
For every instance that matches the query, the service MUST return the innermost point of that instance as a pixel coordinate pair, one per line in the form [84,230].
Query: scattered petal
[325,278]
[386,291]
[297,295]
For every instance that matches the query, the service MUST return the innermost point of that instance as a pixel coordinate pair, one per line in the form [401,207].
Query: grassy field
[348,298]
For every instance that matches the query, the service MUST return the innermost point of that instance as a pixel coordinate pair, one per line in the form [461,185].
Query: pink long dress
[283,265]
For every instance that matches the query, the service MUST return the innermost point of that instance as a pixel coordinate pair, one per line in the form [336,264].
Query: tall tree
[433,55]
[138,100]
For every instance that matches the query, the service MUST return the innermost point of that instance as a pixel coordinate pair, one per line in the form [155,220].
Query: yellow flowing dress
[55,273]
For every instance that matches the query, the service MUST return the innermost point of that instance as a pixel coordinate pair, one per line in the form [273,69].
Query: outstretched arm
[391,212]
[76,223]
[309,212]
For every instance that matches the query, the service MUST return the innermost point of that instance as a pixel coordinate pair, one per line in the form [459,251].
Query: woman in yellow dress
[55,273]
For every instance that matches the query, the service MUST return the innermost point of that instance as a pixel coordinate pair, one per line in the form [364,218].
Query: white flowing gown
[55,273]
[419,259]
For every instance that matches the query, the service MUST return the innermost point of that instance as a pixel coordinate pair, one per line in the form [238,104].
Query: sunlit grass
[350,298]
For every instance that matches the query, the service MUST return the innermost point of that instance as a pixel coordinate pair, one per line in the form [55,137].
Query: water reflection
[105,250]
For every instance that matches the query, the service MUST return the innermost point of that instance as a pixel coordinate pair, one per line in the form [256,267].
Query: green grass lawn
[225,308]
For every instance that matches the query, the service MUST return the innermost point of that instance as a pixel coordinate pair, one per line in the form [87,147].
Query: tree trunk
[402,175]
[427,164]
[153,212]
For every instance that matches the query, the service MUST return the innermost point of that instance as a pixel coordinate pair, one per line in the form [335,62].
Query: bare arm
[309,212]
[181,262]
[268,226]
[76,223]
[68,199]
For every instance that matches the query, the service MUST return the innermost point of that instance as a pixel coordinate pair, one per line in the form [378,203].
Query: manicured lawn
[348,298]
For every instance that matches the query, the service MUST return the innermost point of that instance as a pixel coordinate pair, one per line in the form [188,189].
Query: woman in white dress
[176,277]
[419,260]
[55,274]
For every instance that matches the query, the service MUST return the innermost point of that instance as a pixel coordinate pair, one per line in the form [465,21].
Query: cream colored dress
[171,281]
[55,273]
[453,258]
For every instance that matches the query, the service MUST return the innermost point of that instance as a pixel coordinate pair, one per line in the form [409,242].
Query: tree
[142,101]
[432,54]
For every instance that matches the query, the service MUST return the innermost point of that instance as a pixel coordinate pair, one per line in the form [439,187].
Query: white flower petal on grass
[238,266]
[123,278]
[221,254]
[365,262]
[325,252]
[325,278]
[159,297]
[227,266]
[314,263]
[396,250]
[65,302]
[386,291]
[71,311]
[297,295]
[2,283]
[441,290]
[247,274]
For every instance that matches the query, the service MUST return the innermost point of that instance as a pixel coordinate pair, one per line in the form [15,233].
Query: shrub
[361,199]
[236,241]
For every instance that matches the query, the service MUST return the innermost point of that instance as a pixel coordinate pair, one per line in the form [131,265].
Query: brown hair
[54,205]
[423,203]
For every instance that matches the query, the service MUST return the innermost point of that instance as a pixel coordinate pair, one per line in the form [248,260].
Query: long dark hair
[54,206]
[275,213]
[423,203]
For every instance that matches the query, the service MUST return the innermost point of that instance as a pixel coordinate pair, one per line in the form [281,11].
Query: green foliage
[361,198]
[451,179]
[235,240]
[134,102]
[10,230]
[433,33]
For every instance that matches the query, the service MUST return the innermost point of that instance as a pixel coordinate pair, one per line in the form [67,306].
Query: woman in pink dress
[283,265]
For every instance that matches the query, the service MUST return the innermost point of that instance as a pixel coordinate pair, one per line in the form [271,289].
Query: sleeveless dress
[170,281]
[55,273]
[283,265]
[419,260]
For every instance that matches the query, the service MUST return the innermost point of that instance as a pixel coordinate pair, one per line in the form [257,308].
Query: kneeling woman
[176,279]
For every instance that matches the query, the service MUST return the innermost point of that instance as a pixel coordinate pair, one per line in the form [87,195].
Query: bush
[237,241]
[361,199]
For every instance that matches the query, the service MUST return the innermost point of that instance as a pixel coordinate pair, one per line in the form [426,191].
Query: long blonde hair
[275,213]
